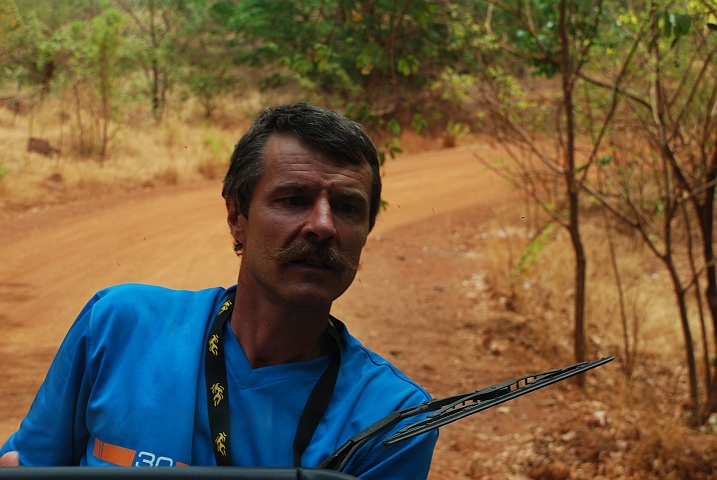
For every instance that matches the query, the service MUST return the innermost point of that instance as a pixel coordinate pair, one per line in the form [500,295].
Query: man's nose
[320,224]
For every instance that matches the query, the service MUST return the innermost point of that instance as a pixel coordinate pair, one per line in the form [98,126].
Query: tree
[27,55]
[204,52]
[104,64]
[556,43]
[9,20]
[669,93]
[153,37]
[373,58]
[32,49]
[91,62]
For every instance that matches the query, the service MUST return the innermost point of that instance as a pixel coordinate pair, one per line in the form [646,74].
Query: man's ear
[235,220]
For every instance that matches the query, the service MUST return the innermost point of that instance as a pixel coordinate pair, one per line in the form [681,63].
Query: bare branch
[610,86]
[615,97]
[527,22]
[688,101]
[552,212]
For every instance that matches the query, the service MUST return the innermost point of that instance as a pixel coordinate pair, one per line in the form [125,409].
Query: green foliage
[456,129]
[32,51]
[104,41]
[157,44]
[454,86]
[530,31]
[408,65]
[394,127]
[3,169]
[208,53]
[711,427]
[9,21]
[370,57]
[391,147]
[418,122]
[207,87]
[346,48]
[56,14]
[23,56]
[454,132]
[512,97]
[602,161]
[358,111]
[531,253]
[674,25]
[216,144]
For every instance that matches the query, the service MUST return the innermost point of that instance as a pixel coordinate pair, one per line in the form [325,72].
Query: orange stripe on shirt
[113,454]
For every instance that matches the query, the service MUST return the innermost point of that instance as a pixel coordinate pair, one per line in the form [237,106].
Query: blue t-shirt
[127,387]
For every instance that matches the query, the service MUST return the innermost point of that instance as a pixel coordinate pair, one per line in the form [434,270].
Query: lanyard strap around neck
[218,393]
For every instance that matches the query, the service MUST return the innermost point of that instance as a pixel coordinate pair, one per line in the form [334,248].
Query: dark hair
[330,132]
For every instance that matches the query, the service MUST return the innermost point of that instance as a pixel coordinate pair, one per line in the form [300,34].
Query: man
[258,374]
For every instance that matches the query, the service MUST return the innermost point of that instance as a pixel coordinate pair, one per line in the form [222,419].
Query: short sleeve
[54,432]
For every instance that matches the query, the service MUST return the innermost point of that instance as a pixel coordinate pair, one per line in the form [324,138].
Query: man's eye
[293,201]
[348,208]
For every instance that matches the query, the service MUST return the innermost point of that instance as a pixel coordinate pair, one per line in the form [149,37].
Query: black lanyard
[218,393]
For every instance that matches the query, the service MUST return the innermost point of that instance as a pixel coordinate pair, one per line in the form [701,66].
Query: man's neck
[272,334]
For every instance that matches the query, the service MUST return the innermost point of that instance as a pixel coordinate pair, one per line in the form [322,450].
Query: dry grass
[547,287]
[142,153]
[184,147]
[648,414]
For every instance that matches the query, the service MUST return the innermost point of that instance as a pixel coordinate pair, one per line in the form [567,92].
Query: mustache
[328,255]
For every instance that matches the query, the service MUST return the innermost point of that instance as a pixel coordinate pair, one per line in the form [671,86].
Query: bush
[3,170]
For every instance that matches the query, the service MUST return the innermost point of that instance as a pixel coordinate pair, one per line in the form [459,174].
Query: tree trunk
[689,344]
[155,90]
[573,192]
[629,362]
[78,115]
[105,94]
[698,300]
[705,211]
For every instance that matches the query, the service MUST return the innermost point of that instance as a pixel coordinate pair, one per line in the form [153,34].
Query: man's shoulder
[155,292]
[373,372]
[135,305]
[152,296]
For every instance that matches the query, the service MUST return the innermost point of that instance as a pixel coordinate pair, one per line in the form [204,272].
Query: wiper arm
[449,409]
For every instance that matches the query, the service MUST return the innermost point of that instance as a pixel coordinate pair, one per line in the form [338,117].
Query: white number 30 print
[150,460]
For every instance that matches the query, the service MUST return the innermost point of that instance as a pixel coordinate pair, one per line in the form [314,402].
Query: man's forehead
[285,143]
[355,189]
[289,159]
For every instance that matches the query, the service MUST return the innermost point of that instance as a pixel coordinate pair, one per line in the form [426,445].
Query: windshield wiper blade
[449,409]
[465,405]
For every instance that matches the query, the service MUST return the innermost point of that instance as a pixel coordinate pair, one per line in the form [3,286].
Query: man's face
[302,199]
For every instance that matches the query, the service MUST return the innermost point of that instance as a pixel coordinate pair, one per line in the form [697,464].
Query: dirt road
[407,303]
